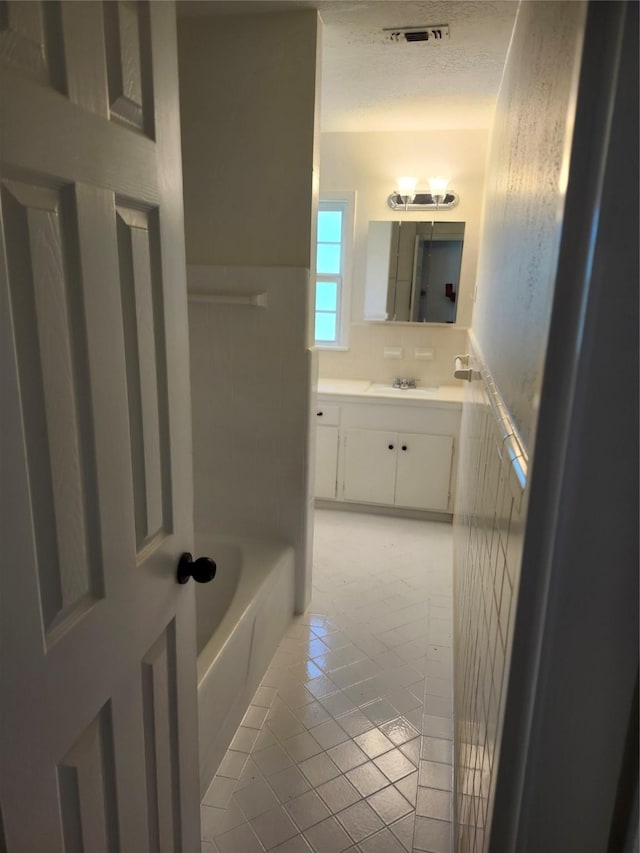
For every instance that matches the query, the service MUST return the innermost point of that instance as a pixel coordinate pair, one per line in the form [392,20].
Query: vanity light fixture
[406,197]
[438,187]
[406,189]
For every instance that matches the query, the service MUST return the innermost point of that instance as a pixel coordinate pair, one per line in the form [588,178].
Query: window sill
[331,347]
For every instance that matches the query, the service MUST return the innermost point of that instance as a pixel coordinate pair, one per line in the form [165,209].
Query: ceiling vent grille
[436,32]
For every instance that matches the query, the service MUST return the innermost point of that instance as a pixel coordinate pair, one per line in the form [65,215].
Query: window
[335,225]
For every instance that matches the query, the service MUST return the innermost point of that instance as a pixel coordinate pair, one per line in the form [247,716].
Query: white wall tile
[250,400]
[486,574]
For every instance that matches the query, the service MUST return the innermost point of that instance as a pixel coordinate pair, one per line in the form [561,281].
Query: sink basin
[380,389]
[362,388]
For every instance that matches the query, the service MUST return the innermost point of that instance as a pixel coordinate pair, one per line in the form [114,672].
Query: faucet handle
[404,384]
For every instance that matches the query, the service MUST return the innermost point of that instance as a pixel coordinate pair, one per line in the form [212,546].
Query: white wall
[247,86]
[370,163]
[249,146]
[526,181]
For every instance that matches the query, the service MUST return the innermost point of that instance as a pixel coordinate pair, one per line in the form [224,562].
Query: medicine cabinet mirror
[413,270]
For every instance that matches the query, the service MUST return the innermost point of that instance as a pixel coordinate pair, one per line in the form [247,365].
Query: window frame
[344,202]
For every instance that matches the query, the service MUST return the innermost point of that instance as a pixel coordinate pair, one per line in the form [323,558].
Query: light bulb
[438,186]
[407,187]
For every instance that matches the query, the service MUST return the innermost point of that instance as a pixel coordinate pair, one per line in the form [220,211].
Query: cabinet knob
[318,414]
[391,447]
[404,446]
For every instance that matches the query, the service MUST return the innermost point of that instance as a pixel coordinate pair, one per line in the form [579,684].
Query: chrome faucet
[404,384]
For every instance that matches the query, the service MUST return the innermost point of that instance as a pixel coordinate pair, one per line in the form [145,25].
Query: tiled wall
[250,389]
[365,359]
[488,537]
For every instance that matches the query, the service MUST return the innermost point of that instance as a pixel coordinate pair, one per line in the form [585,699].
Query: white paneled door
[98,727]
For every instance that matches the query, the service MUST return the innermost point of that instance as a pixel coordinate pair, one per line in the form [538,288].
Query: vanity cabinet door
[370,465]
[326,461]
[424,471]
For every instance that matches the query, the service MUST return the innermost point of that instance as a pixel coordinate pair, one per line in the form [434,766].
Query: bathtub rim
[251,585]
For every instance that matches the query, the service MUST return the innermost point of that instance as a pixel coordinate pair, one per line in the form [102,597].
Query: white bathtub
[241,617]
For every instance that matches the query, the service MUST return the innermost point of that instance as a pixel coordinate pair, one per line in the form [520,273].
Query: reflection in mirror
[418,265]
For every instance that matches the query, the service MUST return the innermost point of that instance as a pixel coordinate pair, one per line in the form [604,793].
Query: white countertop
[364,389]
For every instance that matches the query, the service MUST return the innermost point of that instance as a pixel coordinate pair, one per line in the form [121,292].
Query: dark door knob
[391,447]
[404,446]
[319,414]
[201,570]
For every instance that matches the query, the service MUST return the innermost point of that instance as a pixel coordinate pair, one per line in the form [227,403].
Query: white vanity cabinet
[388,452]
[423,477]
[369,466]
[408,470]
[327,420]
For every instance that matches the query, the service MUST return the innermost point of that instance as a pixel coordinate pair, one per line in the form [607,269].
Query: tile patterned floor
[347,744]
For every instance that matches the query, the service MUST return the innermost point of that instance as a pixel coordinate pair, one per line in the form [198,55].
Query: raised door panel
[326,461]
[87,788]
[424,471]
[95,54]
[27,38]
[143,323]
[129,64]
[370,466]
[42,254]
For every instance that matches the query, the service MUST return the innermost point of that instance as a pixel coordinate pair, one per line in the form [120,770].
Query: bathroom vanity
[379,445]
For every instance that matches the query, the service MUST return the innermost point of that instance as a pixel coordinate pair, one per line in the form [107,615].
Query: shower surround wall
[249,376]
[248,86]
[526,179]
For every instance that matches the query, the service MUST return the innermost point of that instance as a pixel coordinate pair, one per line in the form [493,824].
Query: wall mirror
[413,270]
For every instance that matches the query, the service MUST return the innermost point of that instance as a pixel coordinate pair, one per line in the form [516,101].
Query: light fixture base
[423,201]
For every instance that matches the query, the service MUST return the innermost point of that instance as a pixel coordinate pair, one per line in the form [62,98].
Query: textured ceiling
[372,84]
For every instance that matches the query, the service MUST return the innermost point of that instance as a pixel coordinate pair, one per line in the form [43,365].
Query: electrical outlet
[424,353]
[392,352]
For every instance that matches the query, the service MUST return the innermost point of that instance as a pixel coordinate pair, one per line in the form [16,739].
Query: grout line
[359,609]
